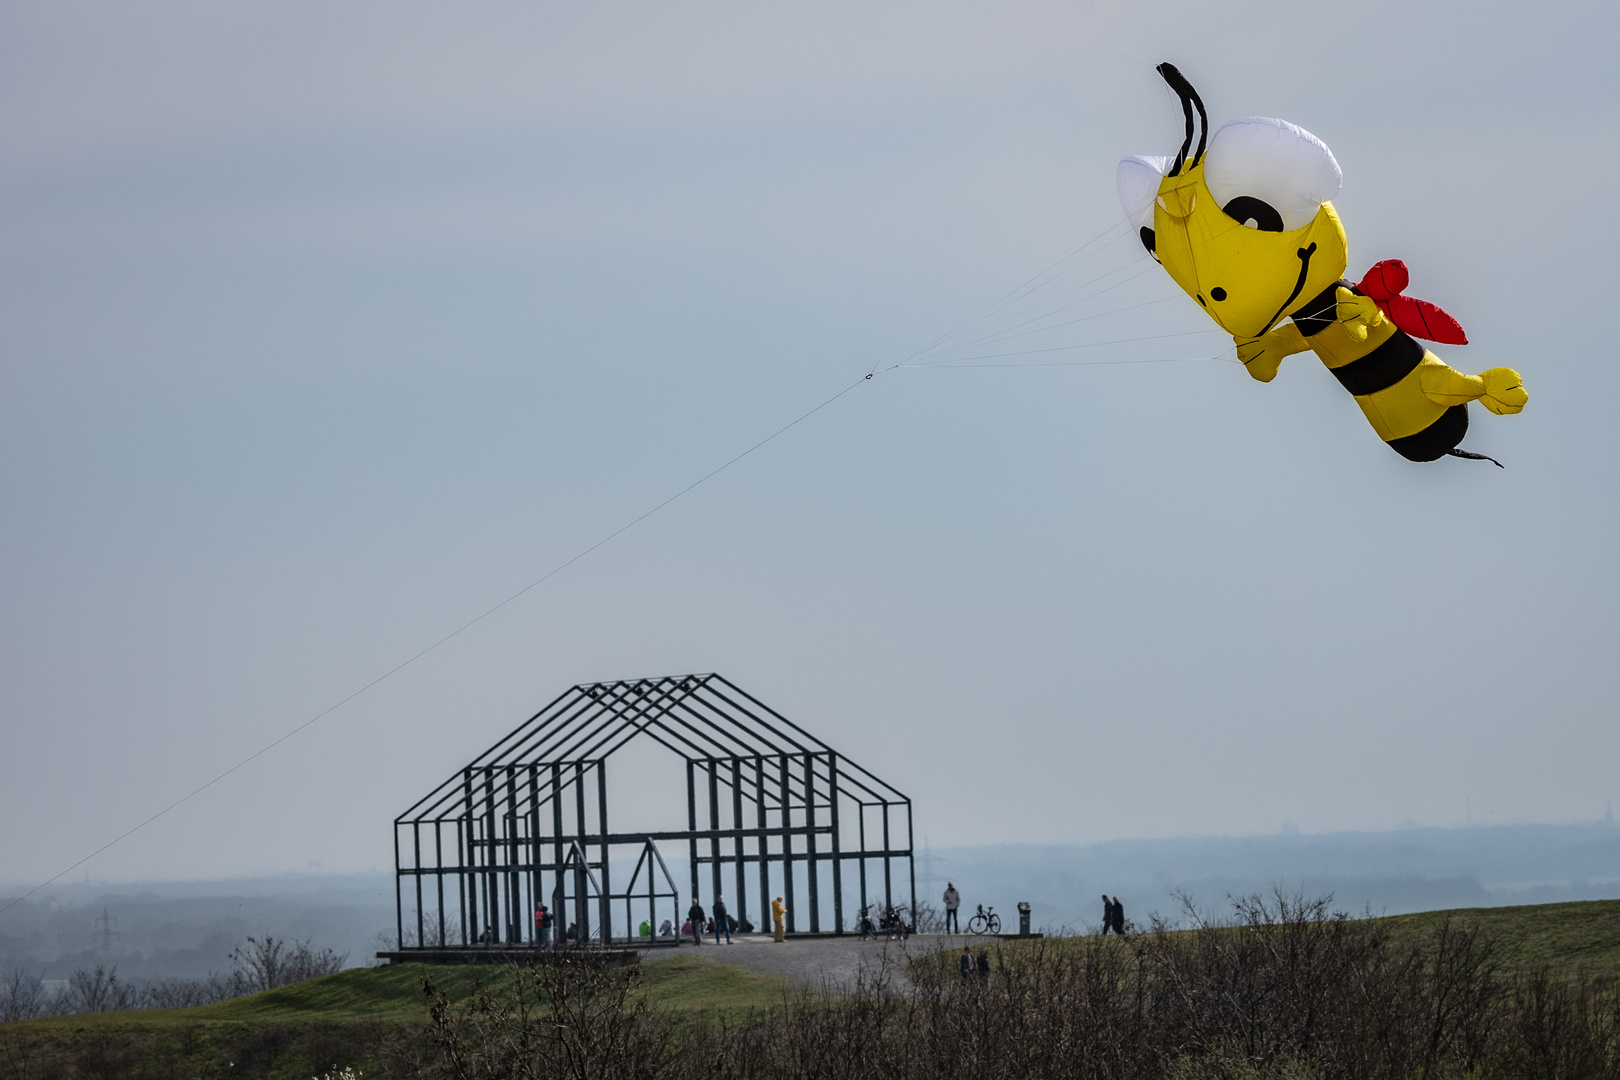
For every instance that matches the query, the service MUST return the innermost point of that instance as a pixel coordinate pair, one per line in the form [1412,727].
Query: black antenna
[1189,101]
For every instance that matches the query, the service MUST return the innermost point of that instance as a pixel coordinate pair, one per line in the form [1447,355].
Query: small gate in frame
[770,810]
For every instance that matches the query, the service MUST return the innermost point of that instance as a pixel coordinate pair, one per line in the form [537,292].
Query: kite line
[1018,307]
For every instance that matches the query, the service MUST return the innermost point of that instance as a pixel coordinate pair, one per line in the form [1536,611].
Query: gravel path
[836,962]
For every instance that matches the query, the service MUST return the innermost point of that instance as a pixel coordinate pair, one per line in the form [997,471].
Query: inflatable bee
[1246,229]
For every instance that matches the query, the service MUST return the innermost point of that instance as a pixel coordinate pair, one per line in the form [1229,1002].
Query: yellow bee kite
[1246,229]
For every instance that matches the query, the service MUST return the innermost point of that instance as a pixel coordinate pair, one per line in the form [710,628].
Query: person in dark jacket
[1108,914]
[983,968]
[697,918]
[722,920]
[966,964]
[1119,917]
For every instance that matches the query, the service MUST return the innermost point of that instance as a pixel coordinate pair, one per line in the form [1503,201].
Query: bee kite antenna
[1189,101]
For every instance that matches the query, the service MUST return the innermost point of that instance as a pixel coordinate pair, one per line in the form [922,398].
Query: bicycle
[985,922]
[894,925]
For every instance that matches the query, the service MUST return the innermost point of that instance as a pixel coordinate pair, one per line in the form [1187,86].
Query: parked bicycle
[894,924]
[985,922]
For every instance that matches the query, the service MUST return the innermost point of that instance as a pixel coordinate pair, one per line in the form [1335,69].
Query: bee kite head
[1244,227]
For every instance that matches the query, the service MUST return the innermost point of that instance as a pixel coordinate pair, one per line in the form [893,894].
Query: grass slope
[1582,936]
[351,1018]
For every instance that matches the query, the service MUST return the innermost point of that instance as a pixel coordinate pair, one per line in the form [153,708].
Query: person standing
[965,962]
[1119,917]
[722,921]
[1108,915]
[983,967]
[695,915]
[778,917]
[542,925]
[953,900]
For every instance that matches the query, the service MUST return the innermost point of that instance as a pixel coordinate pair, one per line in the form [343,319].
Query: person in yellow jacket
[778,914]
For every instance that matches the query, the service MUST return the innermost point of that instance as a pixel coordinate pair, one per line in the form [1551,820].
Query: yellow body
[1249,280]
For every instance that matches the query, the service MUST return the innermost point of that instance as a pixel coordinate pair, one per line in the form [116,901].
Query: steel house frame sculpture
[527,821]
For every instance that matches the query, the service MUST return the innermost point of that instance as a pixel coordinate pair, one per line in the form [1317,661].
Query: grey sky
[323,328]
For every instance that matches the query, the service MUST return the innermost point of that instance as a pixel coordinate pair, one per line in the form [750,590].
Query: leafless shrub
[268,963]
[97,989]
[565,1019]
[22,997]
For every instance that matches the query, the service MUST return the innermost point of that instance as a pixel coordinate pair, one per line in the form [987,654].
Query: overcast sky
[325,327]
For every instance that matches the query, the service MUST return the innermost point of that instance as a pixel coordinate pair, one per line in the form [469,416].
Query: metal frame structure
[770,810]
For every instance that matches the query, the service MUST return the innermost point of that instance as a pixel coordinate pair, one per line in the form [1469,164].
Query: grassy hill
[1581,936]
[360,1017]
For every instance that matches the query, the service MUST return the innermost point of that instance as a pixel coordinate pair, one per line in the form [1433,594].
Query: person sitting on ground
[953,900]
[488,936]
[722,920]
[698,919]
[666,929]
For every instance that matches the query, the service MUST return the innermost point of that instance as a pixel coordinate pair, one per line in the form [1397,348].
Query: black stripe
[1383,367]
[1320,311]
[1436,440]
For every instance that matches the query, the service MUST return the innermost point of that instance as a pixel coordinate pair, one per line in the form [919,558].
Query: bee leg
[1262,356]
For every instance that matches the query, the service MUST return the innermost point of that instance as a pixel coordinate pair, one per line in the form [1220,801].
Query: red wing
[1385,283]
[1422,319]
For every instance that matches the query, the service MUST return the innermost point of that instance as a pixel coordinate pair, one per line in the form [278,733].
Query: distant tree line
[257,964]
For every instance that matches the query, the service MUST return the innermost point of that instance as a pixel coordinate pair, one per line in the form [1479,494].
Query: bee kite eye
[1269,174]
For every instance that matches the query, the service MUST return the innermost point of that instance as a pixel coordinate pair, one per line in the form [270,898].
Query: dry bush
[1285,989]
[568,1018]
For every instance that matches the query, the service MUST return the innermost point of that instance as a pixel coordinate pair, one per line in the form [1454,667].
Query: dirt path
[836,962]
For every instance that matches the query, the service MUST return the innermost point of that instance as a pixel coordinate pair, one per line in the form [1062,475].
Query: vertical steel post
[581,877]
[888,884]
[691,826]
[514,883]
[837,847]
[559,914]
[602,821]
[536,855]
[911,860]
[492,883]
[416,843]
[787,841]
[399,903]
[762,843]
[438,861]
[860,821]
[741,895]
[463,896]
[812,864]
[714,828]
[469,862]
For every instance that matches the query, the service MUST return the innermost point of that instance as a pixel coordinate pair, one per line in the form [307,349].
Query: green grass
[350,1018]
[1583,936]
[1568,938]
